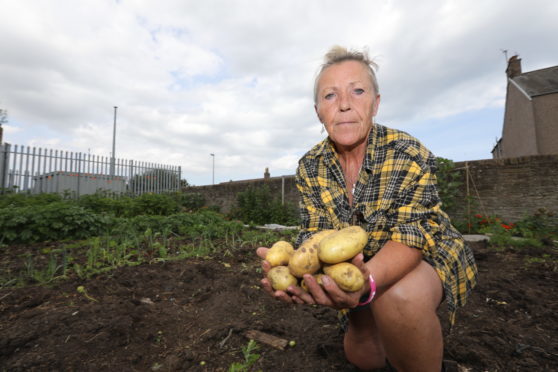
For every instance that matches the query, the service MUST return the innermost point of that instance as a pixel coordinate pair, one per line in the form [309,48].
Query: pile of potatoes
[325,252]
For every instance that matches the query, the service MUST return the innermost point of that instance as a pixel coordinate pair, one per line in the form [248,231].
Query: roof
[539,82]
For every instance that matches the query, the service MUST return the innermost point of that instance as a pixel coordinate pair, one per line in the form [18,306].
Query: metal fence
[38,170]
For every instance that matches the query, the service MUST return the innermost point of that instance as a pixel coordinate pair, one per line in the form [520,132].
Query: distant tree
[3,116]
[155,179]
[3,120]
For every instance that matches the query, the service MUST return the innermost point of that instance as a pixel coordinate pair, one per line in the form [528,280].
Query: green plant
[101,202]
[44,276]
[155,204]
[542,226]
[250,357]
[55,221]
[258,206]
[448,182]
[22,199]
[536,230]
[190,202]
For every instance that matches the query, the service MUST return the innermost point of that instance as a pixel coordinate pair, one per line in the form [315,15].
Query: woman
[383,180]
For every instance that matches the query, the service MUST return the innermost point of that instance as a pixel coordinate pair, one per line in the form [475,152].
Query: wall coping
[459,164]
[509,161]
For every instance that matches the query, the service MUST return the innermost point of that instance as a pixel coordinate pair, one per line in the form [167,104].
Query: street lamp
[113,158]
[213,177]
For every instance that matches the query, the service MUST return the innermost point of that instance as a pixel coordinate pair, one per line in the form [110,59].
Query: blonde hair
[338,54]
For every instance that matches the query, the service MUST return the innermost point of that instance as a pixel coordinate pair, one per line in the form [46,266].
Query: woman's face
[346,103]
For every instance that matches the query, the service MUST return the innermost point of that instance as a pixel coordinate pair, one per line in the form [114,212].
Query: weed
[250,357]
[259,206]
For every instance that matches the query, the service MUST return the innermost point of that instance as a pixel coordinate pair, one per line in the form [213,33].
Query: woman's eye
[329,96]
[359,91]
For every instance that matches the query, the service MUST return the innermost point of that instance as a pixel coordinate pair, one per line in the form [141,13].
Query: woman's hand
[294,294]
[327,295]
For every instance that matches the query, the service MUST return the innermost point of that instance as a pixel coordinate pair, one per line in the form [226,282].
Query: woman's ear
[375,105]
[318,114]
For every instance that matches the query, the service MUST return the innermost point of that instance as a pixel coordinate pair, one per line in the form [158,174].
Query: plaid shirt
[395,198]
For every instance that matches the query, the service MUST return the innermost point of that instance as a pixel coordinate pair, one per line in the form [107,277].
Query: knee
[398,299]
[418,293]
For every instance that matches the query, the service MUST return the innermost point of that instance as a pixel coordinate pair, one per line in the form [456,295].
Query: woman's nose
[344,102]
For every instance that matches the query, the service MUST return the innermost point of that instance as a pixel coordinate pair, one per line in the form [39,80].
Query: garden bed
[193,315]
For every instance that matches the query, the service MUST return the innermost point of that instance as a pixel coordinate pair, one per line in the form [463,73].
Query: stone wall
[509,188]
[223,195]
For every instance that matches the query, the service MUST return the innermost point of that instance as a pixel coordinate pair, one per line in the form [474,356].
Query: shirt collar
[328,152]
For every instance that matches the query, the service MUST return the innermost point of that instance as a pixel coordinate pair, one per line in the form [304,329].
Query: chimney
[514,67]
[266,173]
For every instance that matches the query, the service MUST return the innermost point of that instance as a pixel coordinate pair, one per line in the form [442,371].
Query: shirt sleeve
[413,217]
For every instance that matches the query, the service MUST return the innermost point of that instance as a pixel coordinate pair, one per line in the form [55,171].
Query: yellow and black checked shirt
[395,198]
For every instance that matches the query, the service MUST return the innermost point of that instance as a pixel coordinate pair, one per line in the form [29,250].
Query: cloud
[236,78]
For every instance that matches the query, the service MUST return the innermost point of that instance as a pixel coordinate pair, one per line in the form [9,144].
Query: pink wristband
[372,292]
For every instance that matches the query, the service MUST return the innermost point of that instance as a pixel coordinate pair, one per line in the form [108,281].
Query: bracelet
[372,292]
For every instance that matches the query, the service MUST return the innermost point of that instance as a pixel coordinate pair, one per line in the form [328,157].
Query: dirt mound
[194,314]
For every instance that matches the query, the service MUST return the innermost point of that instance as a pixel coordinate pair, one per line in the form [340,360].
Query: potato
[318,278]
[342,245]
[280,278]
[304,261]
[347,276]
[279,254]
[318,237]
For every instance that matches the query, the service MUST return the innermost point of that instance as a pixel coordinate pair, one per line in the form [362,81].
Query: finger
[337,296]
[262,252]
[266,266]
[316,291]
[298,300]
[283,296]
[358,261]
[301,294]
[266,285]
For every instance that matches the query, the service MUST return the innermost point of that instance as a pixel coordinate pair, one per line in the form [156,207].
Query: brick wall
[224,194]
[509,188]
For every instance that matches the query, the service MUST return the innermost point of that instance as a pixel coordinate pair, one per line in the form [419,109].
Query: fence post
[131,180]
[4,162]
[179,178]
[78,173]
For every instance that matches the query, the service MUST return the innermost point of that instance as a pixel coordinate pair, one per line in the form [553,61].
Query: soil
[193,315]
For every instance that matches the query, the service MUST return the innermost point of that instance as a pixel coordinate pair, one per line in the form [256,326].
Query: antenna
[505,51]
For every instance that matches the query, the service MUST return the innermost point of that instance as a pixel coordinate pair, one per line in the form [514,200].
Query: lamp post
[113,160]
[213,170]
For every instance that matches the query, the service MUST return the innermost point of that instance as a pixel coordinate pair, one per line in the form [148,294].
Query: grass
[89,257]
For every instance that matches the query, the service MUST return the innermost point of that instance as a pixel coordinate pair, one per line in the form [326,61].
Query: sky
[235,78]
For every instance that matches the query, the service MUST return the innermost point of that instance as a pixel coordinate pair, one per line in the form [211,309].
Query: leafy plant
[542,226]
[250,357]
[154,204]
[448,182]
[22,199]
[258,206]
[54,221]
[189,202]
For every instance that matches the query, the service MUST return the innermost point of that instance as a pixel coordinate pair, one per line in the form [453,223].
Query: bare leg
[363,347]
[406,318]
[401,324]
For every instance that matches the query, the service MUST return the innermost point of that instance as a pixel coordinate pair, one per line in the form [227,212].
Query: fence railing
[38,170]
